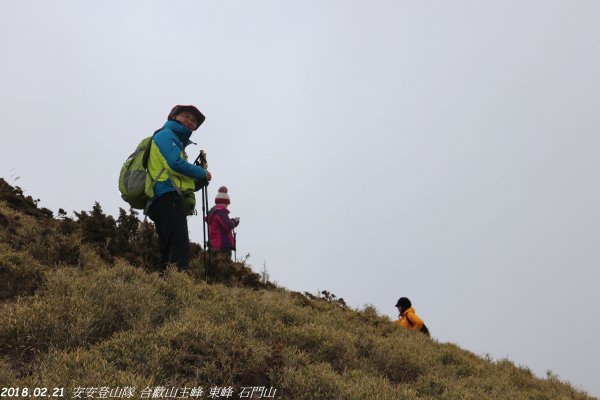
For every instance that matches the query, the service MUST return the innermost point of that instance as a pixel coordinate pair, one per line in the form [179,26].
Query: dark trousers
[170,219]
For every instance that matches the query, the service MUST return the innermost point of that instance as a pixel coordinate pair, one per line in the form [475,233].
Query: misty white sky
[444,151]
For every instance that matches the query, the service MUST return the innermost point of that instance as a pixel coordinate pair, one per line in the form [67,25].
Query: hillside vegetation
[82,308]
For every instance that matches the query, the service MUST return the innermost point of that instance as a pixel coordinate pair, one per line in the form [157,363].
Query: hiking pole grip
[201,161]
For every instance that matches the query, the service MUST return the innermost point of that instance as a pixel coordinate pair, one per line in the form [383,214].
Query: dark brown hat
[191,109]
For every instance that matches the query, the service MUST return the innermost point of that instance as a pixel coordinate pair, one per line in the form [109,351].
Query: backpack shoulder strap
[408,319]
[146,155]
[147,151]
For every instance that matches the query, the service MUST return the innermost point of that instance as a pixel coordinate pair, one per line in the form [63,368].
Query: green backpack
[134,174]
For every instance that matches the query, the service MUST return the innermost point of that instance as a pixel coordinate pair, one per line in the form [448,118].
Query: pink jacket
[220,228]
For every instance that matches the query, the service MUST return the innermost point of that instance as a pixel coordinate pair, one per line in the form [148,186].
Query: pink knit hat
[222,196]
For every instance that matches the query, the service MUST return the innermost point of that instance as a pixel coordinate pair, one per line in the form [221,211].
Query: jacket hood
[181,131]
[218,207]
[210,215]
[411,309]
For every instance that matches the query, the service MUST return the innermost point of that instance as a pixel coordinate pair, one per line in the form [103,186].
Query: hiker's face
[187,119]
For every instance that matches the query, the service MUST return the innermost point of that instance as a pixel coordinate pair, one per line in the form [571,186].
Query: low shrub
[78,308]
[20,274]
[312,382]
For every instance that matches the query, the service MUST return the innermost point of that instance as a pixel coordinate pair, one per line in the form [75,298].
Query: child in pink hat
[220,226]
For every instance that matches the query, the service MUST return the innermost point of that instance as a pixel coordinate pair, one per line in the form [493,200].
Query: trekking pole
[234,245]
[203,219]
[201,161]
[208,252]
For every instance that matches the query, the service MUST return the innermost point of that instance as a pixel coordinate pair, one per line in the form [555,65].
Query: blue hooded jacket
[170,140]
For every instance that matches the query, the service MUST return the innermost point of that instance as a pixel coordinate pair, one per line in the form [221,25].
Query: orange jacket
[416,324]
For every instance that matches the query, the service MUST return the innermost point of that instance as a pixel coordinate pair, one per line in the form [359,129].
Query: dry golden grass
[89,323]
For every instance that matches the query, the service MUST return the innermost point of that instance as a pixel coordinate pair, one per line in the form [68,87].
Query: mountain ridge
[83,309]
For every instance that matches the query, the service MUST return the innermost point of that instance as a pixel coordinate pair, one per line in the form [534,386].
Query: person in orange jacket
[408,318]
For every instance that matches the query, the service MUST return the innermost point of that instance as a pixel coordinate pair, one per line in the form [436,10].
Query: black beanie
[404,303]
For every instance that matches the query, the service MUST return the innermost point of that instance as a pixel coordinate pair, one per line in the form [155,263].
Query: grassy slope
[84,322]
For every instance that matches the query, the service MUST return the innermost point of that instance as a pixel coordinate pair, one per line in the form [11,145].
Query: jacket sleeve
[415,321]
[168,145]
[224,221]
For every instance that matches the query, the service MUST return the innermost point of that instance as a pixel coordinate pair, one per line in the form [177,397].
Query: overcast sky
[445,151]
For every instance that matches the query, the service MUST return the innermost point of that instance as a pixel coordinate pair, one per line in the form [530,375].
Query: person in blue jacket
[174,181]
